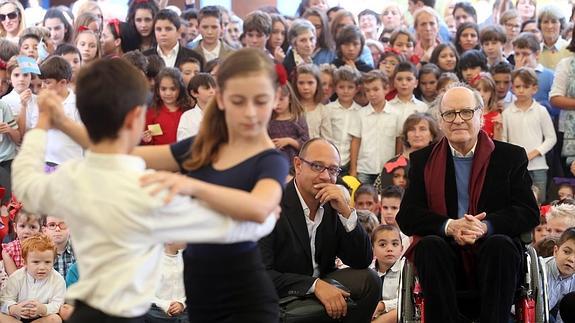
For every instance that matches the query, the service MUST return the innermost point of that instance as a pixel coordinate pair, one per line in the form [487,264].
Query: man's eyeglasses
[11,15]
[464,114]
[318,168]
[54,225]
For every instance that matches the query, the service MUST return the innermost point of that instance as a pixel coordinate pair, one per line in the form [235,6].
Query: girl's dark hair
[437,51]
[348,34]
[325,39]
[183,101]
[66,21]
[146,5]
[471,59]
[460,30]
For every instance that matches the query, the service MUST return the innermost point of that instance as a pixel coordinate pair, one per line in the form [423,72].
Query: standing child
[28,44]
[403,41]
[491,113]
[404,104]
[171,100]
[374,131]
[501,73]
[25,225]
[307,87]
[471,64]
[561,272]
[342,113]
[389,60]
[88,44]
[169,303]
[21,95]
[349,43]
[366,198]
[387,249]
[202,89]
[36,292]
[72,55]
[427,89]
[287,128]
[527,123]
[327,87]
[390,202]
[492,39]
[189,67]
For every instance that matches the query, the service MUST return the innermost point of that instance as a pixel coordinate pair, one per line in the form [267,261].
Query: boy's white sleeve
[185,126]
[390,304]
[190,220]
[58,293]
[36,189]
[550,138]
[9,295]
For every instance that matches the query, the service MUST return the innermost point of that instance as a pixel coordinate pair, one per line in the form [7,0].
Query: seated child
[559,218]
[545,246]
[390,201]
[387,249]
[365,198]
[564,190]
[25,225]
[35,292]
[561,272]
[541,231]
[169,302]
[58,231]
[202,89]
[107,184]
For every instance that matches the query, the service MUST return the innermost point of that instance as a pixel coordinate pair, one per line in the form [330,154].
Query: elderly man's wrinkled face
[457,105]
[319,164]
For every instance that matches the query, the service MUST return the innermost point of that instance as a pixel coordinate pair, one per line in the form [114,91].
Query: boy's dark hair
[199,80]
[107,90]
[210,11]
[525,74]
[211,65]
[366,189]
[501,68]
[8,49]
[527,22]
[369,12]
[57,68]
[527,40]
[171,16]
[155,65]
[190,59]
[471,59]
[492,33]
[545,246]
[405,67]
[567,235]
[27,36]
[136,58]
[348,34]
[258,21]
[65,48]
[467,7]
[392,191]
[189,14]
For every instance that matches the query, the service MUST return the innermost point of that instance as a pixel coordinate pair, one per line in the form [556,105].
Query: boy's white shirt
[21,286]
[60,147]
[117,226]
[404,109]
[171,287]
[190,122]
[341,119]
[13,101]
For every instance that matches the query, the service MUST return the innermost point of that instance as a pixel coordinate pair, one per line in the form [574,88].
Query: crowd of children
[365,83]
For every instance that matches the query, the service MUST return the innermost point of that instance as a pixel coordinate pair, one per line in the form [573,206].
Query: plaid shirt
[14,249]
[65,260]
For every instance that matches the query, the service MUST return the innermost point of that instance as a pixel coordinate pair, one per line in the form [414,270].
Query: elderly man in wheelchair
[468,202]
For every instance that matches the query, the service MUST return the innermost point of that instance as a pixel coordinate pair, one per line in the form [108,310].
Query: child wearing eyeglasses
[57,230]
[527,123]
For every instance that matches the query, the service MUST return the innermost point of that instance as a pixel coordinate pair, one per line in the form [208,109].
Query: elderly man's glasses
[12,15]
[318,168]
[464,114]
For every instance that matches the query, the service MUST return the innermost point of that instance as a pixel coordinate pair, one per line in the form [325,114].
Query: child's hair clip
[282,74]
[82,28]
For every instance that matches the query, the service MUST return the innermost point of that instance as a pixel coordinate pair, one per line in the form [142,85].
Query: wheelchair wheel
[538,286]
[406,312]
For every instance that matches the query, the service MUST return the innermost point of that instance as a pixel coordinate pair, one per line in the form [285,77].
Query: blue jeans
[539,178]
[157,315]
[366,178]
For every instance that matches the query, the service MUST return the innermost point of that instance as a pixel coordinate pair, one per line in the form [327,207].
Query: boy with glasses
[57,230]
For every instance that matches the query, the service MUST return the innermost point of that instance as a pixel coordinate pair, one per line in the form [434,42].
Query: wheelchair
[531,301]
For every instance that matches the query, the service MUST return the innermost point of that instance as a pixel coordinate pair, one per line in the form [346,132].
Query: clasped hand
[468,229]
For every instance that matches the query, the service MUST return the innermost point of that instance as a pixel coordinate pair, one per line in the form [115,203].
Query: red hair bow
[282,74]
[391,166]
[2,64]
[392,50]
[83,28]
[14,207]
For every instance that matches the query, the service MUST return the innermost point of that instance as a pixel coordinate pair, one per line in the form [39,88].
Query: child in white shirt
[528,124]
[202,88]
[36,291]
[405,82]
[343,112]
